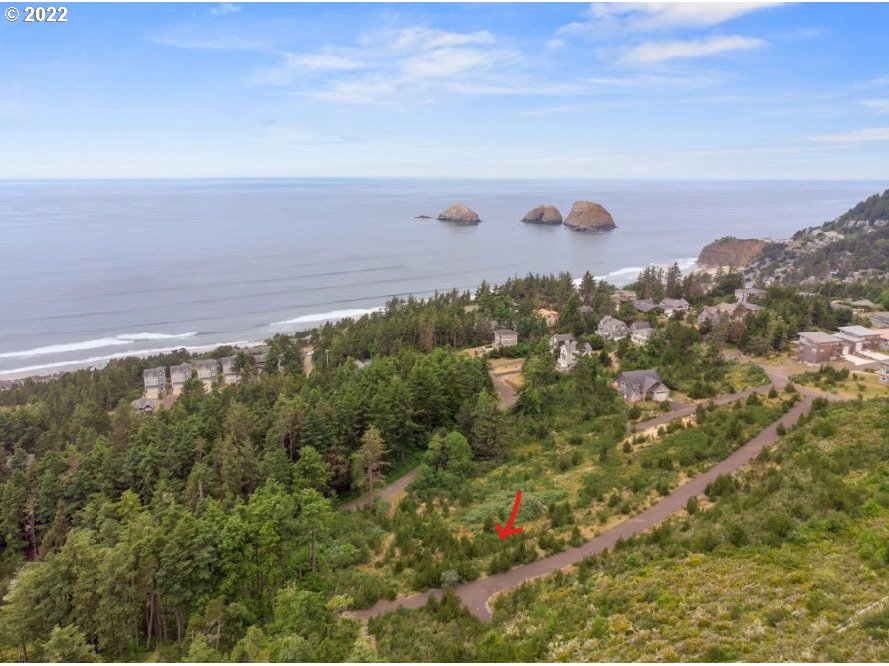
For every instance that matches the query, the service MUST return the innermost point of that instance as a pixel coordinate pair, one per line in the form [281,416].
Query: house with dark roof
[636,385]
[612,329]
[559,339]
[645,305]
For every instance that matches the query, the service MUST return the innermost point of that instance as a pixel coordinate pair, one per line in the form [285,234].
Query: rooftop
[818,336]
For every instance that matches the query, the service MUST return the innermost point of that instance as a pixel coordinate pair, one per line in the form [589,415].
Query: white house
[154,381]
[612,329]
[179,374]
[505,337]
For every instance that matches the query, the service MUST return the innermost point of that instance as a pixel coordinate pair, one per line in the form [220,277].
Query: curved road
[477,594]
[388,493]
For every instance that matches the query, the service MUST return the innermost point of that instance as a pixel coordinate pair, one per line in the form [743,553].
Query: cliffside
[731,252]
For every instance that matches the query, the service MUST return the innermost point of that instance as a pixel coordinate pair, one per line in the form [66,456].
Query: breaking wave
[328,316]
[97,343]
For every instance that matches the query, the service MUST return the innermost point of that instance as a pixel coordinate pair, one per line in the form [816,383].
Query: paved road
[508,395]
[477,594]
[388,493]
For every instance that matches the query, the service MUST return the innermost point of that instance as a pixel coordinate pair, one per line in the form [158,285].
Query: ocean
[96,270]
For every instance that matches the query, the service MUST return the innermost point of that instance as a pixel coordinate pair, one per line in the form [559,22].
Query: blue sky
[763,91]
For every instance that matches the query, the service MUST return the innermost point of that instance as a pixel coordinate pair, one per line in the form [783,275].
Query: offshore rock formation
[458,213]
[543,214]
[589,216]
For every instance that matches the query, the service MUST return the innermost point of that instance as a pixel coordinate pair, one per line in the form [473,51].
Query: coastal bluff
[459,213]
[543,214]
[731,251]
[589,216]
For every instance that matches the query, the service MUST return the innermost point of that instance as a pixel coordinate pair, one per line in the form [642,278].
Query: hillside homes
[636,385]
[612,329]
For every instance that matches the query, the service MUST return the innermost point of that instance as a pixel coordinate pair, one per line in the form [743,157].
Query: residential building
[556,341]
[883,374]
[745,293]
[671,305]
[208,372]
[816,347]
[154,382]
[569,352]
[858,338]
[645,305]
[179,374]
[612,329]
[145,405]
[229,374]
[640,332]
[551,317]
[862,304]
[709,314]
[505,337]
[880,319]
[636,385]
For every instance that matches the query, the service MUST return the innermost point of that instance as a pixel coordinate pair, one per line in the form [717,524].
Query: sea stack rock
[589,216]
[543,214]
[458,213]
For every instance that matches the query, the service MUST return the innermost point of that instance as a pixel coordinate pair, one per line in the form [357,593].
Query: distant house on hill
[505,337]
[551,317]
[154,381]
[879,319]
[179,374]
[229,374]
[207,370]
[671,305]
[645,305]
[612,329]
[623,296]
[640,332]
[745,293]
[709,314]
[569,352]
[816,347]
[636,385]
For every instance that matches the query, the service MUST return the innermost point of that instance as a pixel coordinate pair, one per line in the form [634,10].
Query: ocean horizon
[102,269]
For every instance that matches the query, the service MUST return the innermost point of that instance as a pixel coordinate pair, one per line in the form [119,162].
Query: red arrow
[509,529]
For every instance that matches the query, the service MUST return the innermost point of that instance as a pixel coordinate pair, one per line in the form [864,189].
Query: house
[612,329]
[569,352]
[635,385]
[207,372]
[880,319]
[645,305]
[551,317]
[259,354]
[816,347]
[708,314]
[640,332]
[560,339]
[883,374]
[505,337]
[745,293]
[229,374]
[179,374]
[623,296]
[145,405]
[154,382]
[862,304]
[671,305]
[858,338]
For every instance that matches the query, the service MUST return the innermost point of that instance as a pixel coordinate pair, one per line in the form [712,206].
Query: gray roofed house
[229,374]
[816,347]
[505,337]
[640,332]
[208,370]
[879,318]
[635,385]
[612,329]
[709,314]
[559,339]
[179,374]
[671,305]
[623,296]
[146,405]
[645,305]
[154,381]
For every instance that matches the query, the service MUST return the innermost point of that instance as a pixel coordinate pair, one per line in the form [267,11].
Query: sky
[603,90]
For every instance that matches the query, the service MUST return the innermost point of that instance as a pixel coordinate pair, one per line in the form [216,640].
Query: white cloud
[652,52]
[555,43]
[649,16]
[878,105]
[419,37]
[323,61]
[856,136]
[224,8]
